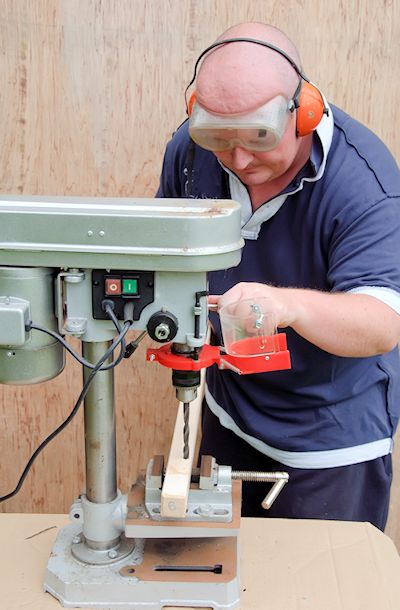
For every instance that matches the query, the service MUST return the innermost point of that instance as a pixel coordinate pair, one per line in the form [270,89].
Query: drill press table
[285,564]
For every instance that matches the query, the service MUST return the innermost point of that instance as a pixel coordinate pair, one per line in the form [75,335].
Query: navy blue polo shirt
[335,228]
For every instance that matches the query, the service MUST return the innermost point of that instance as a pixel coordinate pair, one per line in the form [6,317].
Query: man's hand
[343,324]
[279,298]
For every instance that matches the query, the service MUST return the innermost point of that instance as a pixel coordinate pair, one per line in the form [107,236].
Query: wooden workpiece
[174,495]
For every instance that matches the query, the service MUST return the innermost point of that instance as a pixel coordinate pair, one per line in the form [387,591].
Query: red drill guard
[243,362]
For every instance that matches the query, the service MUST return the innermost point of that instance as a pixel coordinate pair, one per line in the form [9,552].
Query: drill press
[89,268]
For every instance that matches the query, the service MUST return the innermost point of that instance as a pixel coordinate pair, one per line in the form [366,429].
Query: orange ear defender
[190,103]
[307,99]
[310,108]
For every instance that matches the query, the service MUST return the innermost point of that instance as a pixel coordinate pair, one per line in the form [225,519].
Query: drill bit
[185,430]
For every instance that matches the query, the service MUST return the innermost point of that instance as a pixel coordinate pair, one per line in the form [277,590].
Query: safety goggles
[260,130]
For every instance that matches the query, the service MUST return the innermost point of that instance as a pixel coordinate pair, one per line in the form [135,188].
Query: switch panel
[121,287]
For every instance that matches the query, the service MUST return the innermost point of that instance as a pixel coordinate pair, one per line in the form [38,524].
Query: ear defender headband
[307,99]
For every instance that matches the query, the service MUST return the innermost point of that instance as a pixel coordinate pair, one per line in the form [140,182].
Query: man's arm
[343,324]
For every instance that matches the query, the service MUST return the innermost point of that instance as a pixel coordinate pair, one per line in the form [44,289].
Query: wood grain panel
[91,92]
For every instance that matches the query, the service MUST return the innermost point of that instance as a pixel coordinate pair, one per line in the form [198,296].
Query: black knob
[162,326]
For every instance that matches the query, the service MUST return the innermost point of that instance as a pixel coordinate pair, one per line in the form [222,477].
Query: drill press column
[101,471]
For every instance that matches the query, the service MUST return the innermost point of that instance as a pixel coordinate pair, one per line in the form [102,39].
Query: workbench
[285,564]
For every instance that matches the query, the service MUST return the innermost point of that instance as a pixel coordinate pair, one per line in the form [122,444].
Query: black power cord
[95,369]
[108,307]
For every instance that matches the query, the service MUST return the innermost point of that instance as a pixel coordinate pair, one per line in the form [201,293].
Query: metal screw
[204,510]
[112,554]
[259,477]
[278,478]
[102,233]
[162,331]
[260,320]
[76,540]
[90,233]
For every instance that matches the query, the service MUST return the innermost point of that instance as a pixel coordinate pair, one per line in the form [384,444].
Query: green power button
[129,286]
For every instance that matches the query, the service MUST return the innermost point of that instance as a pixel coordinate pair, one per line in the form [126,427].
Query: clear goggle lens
[219,140]
[260,130]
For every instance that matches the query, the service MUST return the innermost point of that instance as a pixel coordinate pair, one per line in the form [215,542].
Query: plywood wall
[91,90]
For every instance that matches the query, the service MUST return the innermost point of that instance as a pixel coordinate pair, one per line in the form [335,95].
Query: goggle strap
[294,102]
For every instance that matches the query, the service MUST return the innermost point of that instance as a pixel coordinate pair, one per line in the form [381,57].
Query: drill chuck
[186,384]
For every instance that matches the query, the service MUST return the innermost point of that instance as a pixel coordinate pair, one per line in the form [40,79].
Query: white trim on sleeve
[386,295]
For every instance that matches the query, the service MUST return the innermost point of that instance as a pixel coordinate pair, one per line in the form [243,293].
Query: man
[321,222]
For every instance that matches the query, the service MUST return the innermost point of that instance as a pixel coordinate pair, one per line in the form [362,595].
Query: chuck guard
[244,364]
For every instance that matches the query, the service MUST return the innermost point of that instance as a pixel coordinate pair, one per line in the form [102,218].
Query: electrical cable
[78,357]
[95,369]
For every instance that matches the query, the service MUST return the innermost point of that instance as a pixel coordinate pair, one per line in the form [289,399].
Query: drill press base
[151,577]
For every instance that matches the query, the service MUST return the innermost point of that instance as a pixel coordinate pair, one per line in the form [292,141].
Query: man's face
[257,168]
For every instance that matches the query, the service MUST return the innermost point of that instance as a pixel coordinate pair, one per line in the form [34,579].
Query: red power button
[112,286]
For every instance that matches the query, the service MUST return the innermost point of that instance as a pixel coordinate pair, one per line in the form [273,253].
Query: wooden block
[174,495]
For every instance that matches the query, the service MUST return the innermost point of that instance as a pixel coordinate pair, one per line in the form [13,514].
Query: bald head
[241,76]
